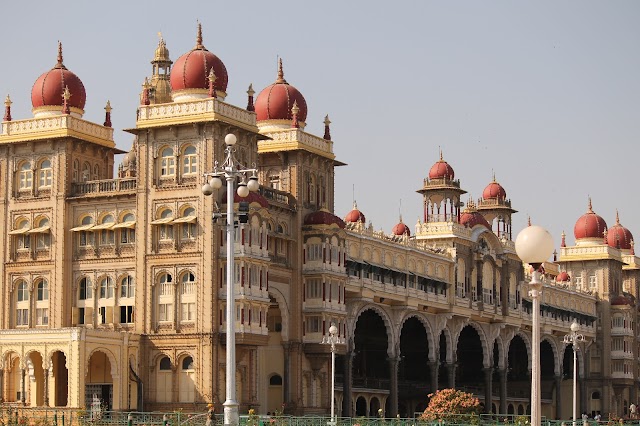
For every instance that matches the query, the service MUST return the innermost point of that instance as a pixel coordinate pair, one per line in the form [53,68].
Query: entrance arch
[99,382]
[60,380]
[370,365]
[414,376]
[470,357]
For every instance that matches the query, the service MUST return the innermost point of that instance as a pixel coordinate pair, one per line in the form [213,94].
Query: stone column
[347,385]
[488,389]
[46,387]
[452,374]
[582,404]
[286,380]
[23,385]
[559,397]
[2,388]
[503,391]
[393,392]
[433,368]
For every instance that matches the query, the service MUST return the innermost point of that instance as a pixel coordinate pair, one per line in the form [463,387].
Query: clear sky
[546,94]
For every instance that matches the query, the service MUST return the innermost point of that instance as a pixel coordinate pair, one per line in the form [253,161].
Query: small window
[45,174]
[43,290]
[165,364]
[167,163]
[23,292]
[187,363]
[275,380]
[190,161]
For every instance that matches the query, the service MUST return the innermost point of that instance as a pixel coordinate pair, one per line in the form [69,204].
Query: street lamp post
[534,245]
[333,340]
[230,170]
[574,338]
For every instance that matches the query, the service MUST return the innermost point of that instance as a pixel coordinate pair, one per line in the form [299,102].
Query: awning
[162,221]
[82,228]
[186,219]
[19,231]
[103,226]
[42,230]
[130,224]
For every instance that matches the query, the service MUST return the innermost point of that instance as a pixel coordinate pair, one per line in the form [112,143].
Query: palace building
[114,279]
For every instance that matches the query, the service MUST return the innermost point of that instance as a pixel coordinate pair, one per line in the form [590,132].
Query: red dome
[473,218]
[441,170]
[401,229]
[191,70]
[618,236]
[323,217]
[275,101]
[621,300]
[589,225]
[355,215]
[494,190]
[563,277]
[49,87]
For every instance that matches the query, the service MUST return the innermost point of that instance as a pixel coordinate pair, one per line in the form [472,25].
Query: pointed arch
[391,344]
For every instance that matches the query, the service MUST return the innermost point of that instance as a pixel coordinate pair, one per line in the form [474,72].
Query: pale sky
[544,93]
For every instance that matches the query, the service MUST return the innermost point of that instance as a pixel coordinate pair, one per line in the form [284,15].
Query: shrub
[451,405]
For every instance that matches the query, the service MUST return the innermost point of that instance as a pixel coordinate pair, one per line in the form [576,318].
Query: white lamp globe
[253,184]
[333,330]
[230,139]
[534,244]
[242,191]
[575,326]
[215,182]
[207,189]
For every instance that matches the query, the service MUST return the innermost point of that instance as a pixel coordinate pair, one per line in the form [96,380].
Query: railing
[97,187]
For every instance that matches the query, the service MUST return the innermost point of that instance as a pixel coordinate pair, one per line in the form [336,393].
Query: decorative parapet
[440,183]
[493,203]
[359,229]
[209,109]
[293,139]
[56,126]
[103,187]
[594,252]
[442,230]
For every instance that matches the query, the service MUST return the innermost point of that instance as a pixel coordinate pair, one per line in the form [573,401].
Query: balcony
[103,188]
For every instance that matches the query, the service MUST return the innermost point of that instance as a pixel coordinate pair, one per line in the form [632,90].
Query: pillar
[286,380]
[46,387]
[433,368]
[393,392]
[347,385]
[503,390]
[22,385]
[559,397]
[582,383]
[2,388]
[452,375]
[488,389]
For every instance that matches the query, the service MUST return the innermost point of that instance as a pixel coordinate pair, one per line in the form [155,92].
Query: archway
[361,407]
[374,406]
[443,376]
[414,375]
[547,370]
[99,383]
[469,371]
[14,379]
[274,394]
[60,380]
[35,396]
[370,366]
[186,382]
[518,369]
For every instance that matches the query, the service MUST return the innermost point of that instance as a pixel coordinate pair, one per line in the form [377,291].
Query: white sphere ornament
[230,139]
[333,330]
[215,182]
[207,189]
[575,326]
[253,184]
[243,191]
[534,244]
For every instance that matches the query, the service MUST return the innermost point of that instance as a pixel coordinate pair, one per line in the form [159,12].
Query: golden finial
[7,101]
[295,109]
[617,218]
[67,94]
[160,37]
[199,37]
[590,209]
[212,75]
[146,83]
[280,72]
[59,53]
[528,220]
[250,90]
[326,120]
[494,174]
[108,107]
[440,149]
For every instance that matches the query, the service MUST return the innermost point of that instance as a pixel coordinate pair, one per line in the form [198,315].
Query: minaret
[160,89]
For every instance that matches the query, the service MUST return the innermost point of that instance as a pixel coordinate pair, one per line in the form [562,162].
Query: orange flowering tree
[451,405]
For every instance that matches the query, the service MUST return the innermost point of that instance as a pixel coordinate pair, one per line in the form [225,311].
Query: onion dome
[563,277]
[48,90]
[401,229]
[274,104]
[618,236]
[494,190]
[354,215]
[323,217]
[441,170]
[589,225]
[190,73]
[471,217]
[620,300]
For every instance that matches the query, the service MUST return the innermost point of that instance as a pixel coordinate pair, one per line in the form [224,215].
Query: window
[190,161]
[127,229]
[76,170]
[165,312]
[313,325]
[187,311]
[314,289]
[578,281]
[43,239]
[126,314]
[44,174]
[187,222]
[166,227]
[593,282]
[85,290]
[165,298]
[187,297]
[25,177]
[86,236]
[106,288]
[86,172]
[22,317]
[23,238]
[96,172]
[127,287]
[107,234]
[167,163]
[42,316]
[165,364]
[23,292]
[43,290]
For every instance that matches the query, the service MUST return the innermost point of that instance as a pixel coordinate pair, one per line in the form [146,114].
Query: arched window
[163,381]
[43,238]
[126,300]
[107,234]
[106,288]
[187,297]
[76,170]
[127,229]
[21,231]
[275,380]
[190,161]
[45,174]
[96,172]
[85,237]
[188,224]
[165,298]
[167,163]
[187,381]
[42,302]
[22,304]
[165,231]
[86,172]
[85,291]
[25,180]
[127,287]
[43,290]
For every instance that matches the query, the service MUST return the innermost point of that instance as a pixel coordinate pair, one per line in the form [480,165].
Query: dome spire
[59,64]
[7,109]
[440,149]
[199,45]
[617,218]
[280,78]
[327,131]
[589,207]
